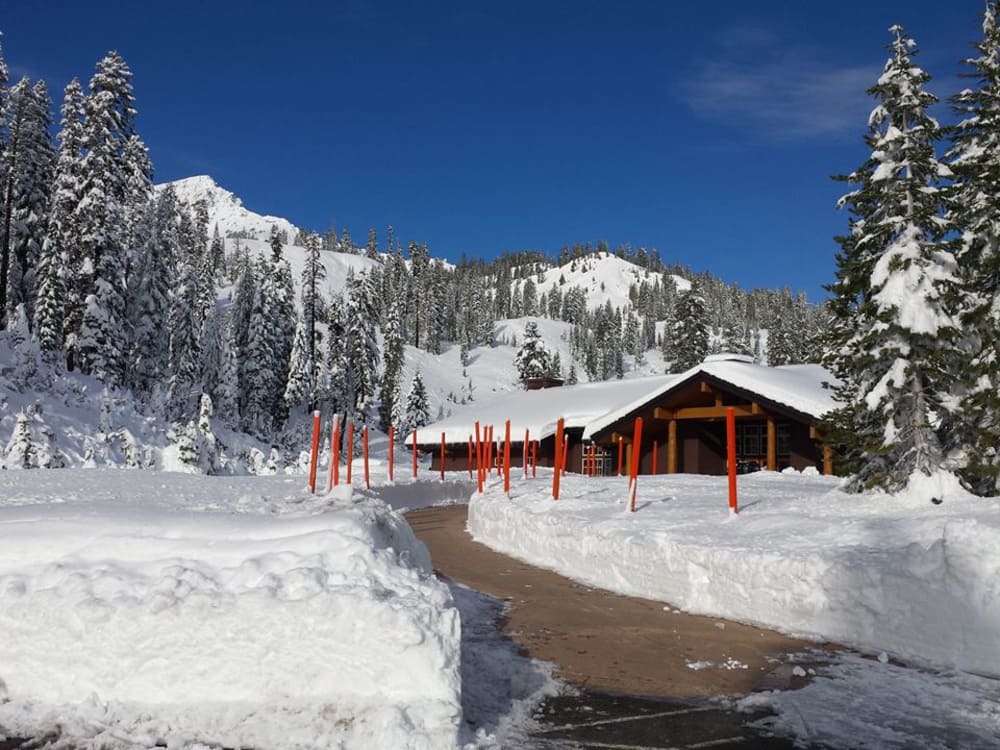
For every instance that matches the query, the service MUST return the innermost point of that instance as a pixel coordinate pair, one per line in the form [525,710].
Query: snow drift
[891,573]
[126,624]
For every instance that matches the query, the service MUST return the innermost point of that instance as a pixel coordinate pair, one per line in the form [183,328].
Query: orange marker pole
[526,448]
[350,450]
[558,458]
[470,456]
[534,458]
[364,444]
[489,450]
[731,457]
[442,456]
[414,454]
[335,468]
[506,458]
[314,453]
[621,454]
[655,446]
[636,445]
[334,455]
[479,459]
[392,448]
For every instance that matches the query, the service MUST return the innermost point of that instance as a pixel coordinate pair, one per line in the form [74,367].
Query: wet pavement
[599,720]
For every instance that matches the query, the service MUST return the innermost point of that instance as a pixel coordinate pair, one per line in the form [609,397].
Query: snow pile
[147,622]
[892,573]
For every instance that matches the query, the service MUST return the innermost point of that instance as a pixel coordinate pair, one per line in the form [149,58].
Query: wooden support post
[672,446]
[350,450]
[364,451]
[392,449]
[526,446]
[636,452]
[557,467]
[827,459]
[534,458]
[442,456]
[731,457]
[621,454]
[470,456]
[506,458]
[489,450]
[656,446]
[565,453]
[772,445]
[335,453]
[314,453]
[414,454]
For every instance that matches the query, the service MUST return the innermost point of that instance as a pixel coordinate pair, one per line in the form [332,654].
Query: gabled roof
[595,406]
[798,388]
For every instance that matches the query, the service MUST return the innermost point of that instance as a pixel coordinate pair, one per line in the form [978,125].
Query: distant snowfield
[139,608]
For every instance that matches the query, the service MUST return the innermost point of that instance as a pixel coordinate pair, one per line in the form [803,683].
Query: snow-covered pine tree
[301,388]
[894,338]
[258,367]
[689,334]
[283,319]
[59,306]
[532,359]
[102,219]
[185,339]
[27,193]
[312,274]
[340,388]
[972,207]
[217,252]
[21,452]
[418,412]
[389,385]
[361,343]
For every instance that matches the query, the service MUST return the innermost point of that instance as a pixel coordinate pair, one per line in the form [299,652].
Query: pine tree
[532,359]
[257,370]
[21,452]
[689,334]
[389,385]
[312,274]
[418,411]
[975,161]
[361,343]
[894,337]
[301,387]
[27,192]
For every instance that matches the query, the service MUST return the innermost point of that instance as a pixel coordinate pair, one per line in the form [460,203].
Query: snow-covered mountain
[604,277]
[227,211]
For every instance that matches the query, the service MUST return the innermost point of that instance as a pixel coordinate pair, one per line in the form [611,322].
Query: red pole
[334,456]
[314,453]
[506,458]
[654,456]
[364,443]
[414,454]
[534,458]
[558,457]
[479,459]
[470,456]
[621,454]
[335,469]
[442,456]
[489,450]
[731,457]
[636,444]
[526,441]
[392,448]
[350,450]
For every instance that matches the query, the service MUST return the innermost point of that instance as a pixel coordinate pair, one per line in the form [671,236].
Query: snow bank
[917,580]
[138,623]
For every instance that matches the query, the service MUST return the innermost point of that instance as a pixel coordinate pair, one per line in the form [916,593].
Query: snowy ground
[899,576]
[142,607]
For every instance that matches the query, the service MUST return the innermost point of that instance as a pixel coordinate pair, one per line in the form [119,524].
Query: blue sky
[706,130]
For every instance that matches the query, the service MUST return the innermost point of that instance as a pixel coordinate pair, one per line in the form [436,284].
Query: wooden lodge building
[776,408]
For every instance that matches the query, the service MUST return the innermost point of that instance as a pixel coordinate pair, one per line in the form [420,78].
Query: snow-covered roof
[798,387]
[595,406]
[539,411]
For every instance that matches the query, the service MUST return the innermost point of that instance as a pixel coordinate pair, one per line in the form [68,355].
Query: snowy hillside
[227,211]
[604,277]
